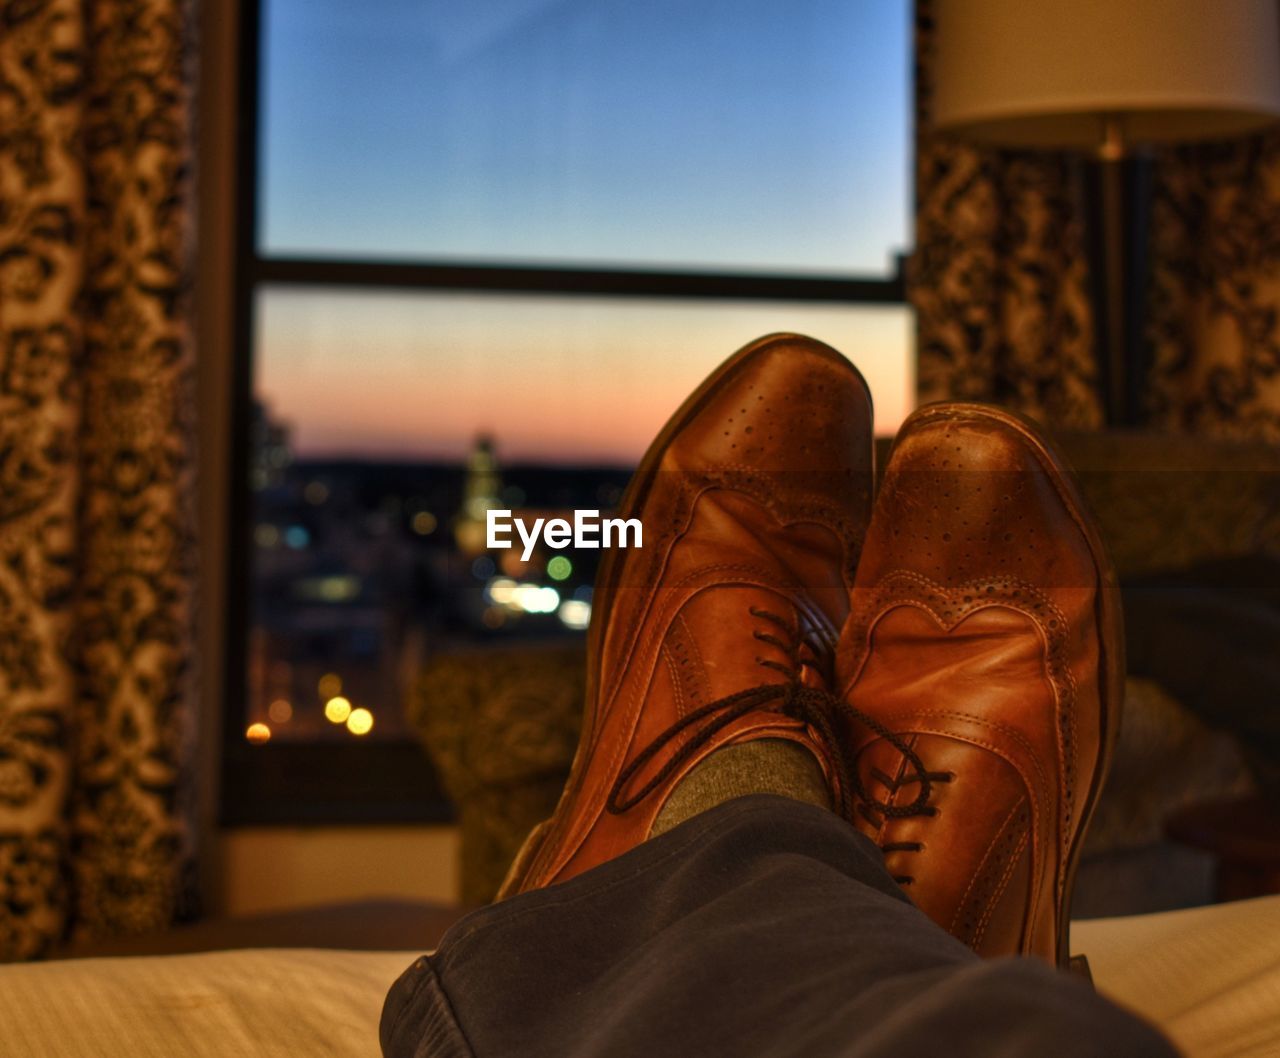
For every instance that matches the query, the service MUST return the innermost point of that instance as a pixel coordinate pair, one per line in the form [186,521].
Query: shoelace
[814,706]
[869,810]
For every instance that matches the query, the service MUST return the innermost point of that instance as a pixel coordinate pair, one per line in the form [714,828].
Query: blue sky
[736,134]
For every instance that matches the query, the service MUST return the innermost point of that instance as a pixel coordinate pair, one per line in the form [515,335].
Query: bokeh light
[575,614]
[337,710]
[501,590]
[360,722]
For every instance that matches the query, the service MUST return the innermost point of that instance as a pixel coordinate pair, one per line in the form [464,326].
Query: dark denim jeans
[761,927]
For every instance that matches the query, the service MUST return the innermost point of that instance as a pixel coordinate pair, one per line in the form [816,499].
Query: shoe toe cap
[971,492]
[791,404]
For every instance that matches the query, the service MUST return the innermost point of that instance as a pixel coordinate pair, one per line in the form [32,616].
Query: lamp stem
[1119,256]
[1114,320]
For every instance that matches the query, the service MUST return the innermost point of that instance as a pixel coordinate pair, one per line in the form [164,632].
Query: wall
[274,868]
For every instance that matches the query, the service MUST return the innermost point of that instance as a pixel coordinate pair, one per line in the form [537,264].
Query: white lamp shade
[1044,73]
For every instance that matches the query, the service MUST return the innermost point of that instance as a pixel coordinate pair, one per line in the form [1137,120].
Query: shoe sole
[1107,611]
[609,571]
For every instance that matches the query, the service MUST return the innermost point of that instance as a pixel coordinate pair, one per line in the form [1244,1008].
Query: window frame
[282,783]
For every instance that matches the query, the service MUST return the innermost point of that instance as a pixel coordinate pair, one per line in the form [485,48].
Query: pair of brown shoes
[952,658]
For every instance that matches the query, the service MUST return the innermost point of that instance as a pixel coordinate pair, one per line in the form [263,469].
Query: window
[485,250]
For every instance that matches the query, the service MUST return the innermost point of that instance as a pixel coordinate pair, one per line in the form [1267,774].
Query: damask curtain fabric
[1000,280]
[96,462]
[1215,292]
[999,277]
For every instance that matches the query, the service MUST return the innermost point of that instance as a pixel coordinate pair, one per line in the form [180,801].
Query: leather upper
[753,499]
[982,629]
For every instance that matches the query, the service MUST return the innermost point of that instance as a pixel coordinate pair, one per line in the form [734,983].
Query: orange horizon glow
[553,380]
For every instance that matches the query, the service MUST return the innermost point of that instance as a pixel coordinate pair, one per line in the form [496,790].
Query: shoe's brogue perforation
[688,673]
[805,505]
[742,428]
[796,508]
[992,877]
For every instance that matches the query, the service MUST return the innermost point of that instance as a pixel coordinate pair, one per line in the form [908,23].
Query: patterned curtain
[96,462]
[999,278]
[1215,296]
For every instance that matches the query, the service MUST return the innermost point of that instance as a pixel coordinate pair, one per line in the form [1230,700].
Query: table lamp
[1104,77]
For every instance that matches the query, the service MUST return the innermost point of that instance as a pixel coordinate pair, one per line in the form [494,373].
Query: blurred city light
[330,685]
[512,564]
[258,733]
[574,613]
[559,568]
[280,711]
[333,588]
[531,598]
[337,710]
[501,591]
[341,588]
[521,597]
[360,722]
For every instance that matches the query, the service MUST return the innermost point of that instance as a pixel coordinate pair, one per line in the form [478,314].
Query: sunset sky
[734,135]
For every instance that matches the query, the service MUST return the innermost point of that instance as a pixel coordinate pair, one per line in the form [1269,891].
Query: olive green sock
[767,765]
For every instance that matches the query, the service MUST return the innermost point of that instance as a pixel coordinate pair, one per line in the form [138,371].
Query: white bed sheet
[299,1003]
[1209,976]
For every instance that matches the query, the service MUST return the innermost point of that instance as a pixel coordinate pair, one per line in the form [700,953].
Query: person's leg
[763,926]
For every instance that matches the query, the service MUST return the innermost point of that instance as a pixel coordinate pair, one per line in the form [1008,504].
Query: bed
[1210,976]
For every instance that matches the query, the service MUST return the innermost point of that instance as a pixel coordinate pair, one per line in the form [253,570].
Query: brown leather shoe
[985,631]
[722,627]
